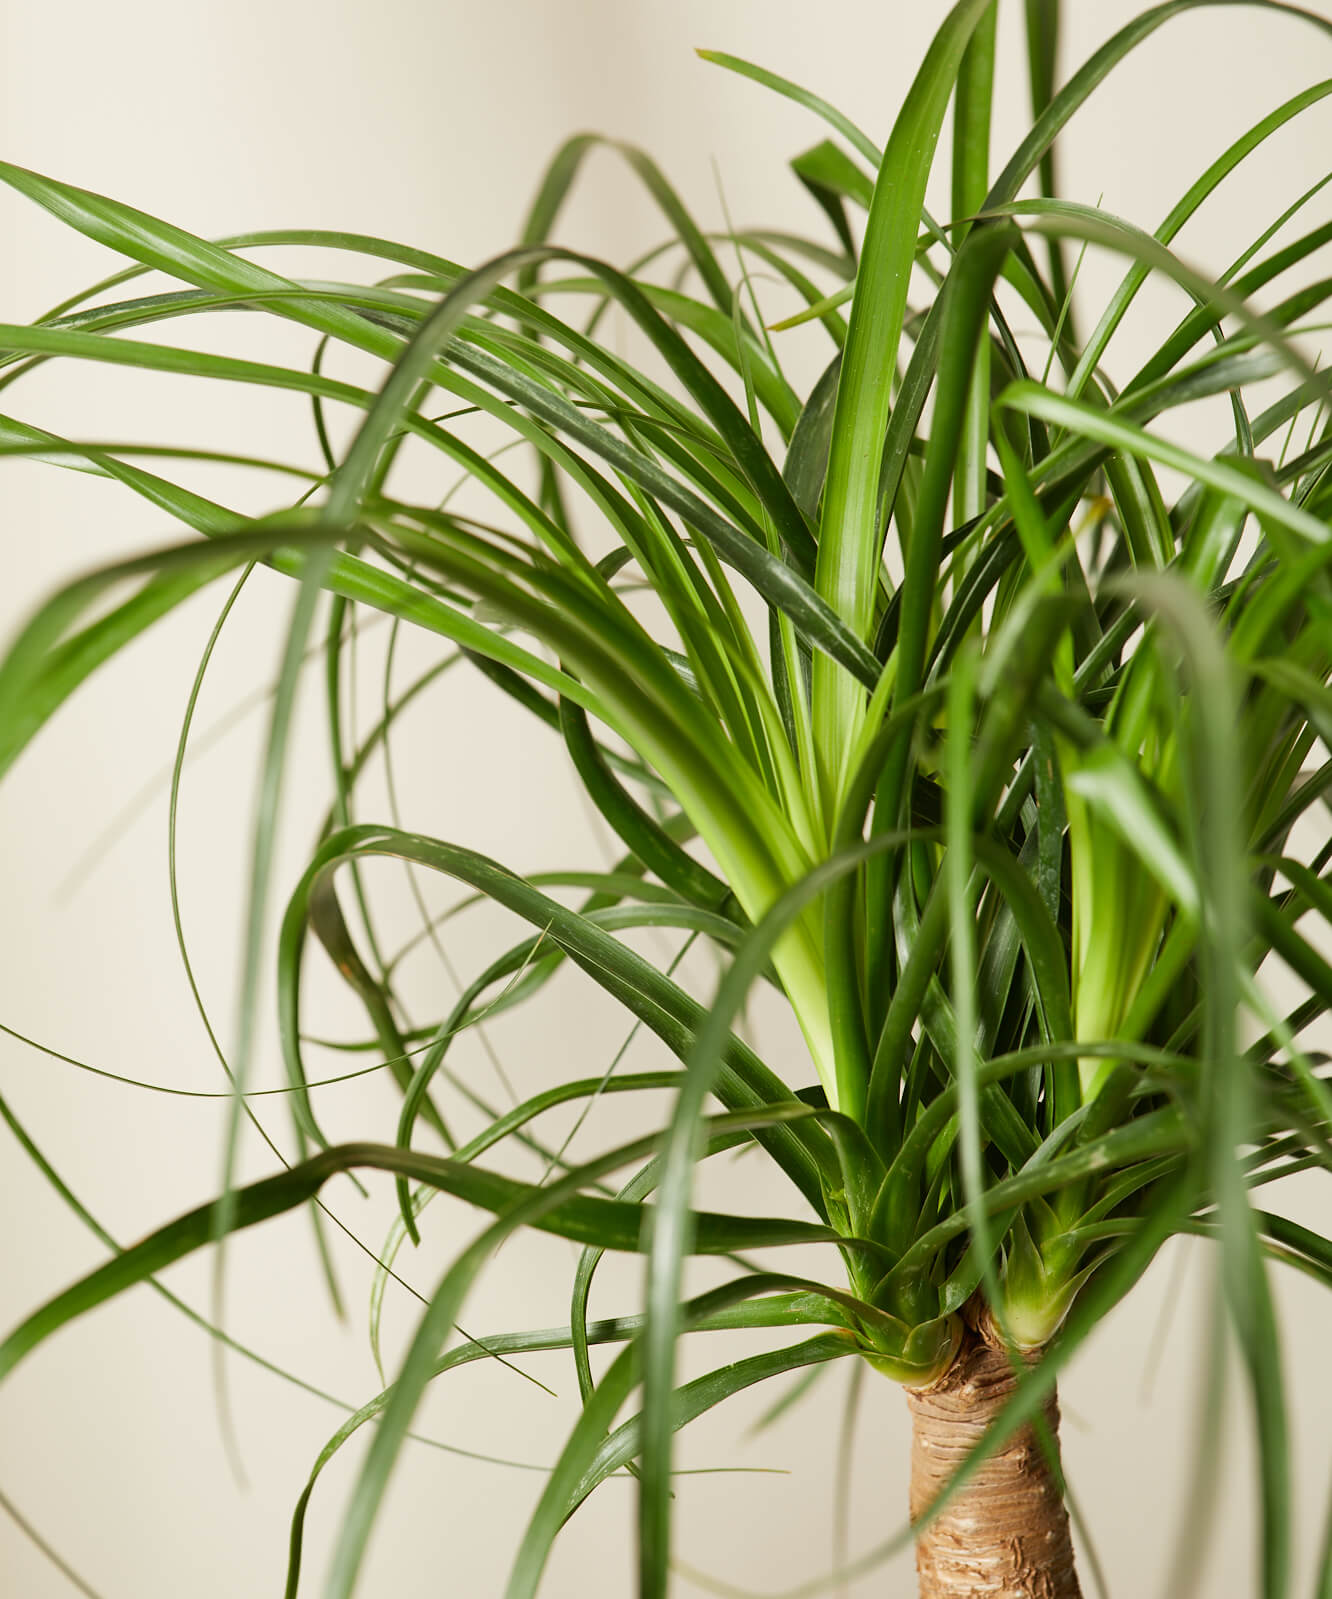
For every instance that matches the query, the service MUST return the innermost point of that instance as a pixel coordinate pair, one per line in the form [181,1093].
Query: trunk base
[1005,1534]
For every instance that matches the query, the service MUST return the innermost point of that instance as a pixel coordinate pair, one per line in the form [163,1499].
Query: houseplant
[980,816]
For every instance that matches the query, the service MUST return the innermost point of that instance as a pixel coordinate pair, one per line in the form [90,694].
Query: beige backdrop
[429,122]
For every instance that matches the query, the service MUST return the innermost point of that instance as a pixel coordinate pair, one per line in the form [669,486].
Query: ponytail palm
[946,694]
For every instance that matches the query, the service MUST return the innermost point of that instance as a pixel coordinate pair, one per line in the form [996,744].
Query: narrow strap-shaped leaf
[693,1399]
[1095,69]
[648,841]
[774,1310]
[1093,423]
[172,249]
[559,179]
[849,543]
[1042,30]
[589,1455]
[1179,214]
[971,181]
[967,300]
[529,1206]
[674,1221]
[858,140]
[558,1208]
[831,177]
[639,985]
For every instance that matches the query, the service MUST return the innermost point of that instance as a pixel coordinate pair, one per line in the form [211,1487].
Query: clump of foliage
[970,714]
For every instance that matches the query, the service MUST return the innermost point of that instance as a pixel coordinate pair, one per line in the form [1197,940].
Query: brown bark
[1004,1534]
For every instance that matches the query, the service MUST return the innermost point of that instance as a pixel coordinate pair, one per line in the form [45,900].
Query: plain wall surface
[431,123]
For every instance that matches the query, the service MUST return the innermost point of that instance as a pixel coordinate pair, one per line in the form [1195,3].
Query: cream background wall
[430,123]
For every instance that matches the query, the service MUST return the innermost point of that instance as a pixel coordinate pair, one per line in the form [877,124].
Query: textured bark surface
[1005,1534]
